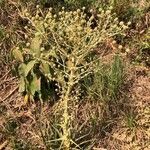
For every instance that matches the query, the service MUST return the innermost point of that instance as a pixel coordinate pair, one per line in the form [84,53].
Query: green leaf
[35,85]
[21,69]
[35,45]
[22,85]
[29,67]
[18,55]
[45,68]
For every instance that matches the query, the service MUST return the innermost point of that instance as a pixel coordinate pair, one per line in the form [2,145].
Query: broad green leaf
[45,68]
[21,69]
[35,45]
[22,85]
[35,85]
[29,67]
[18,55]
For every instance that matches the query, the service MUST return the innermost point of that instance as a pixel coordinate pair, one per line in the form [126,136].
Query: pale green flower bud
[120,47]
[83,8]
[127,50]
[60,13]
[42,49]
[129,23]
[55,16]
[91,10]
[50,9]
[108,12]
[100,9]
[114,42]
[37,6]
[26,27]
[121,23]
[25,36]
[27,44]
[111,7]
[78,10]
[27,14]
[82,70]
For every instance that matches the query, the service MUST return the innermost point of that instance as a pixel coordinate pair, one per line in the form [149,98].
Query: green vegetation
[71,74]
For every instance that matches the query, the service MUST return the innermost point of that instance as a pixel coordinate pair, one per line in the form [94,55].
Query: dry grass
[97,125]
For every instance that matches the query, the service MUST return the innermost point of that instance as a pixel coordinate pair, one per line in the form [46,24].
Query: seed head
[27,44]
[50,9]
[121,23]
[37,6]
[78,10]
[25,36]
[114,42]
[129,23]
[111,7]
[91,11]
[83,8]
[26,27]
[127,50]
[108,12]
[120,47]
[100,9]
[42,49]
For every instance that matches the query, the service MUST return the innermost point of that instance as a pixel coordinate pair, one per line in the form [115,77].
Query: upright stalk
[66,116]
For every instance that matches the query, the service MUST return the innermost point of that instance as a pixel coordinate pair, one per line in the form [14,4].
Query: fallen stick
[10,94]
[3,145]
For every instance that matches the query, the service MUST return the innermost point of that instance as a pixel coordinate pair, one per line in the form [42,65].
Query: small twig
[10,93]
[3,145]
[7,80]
[5,74]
